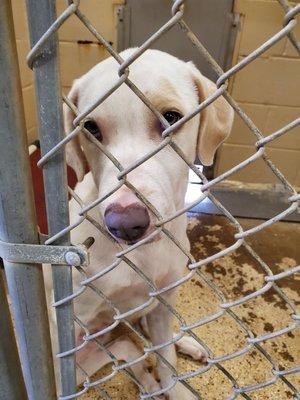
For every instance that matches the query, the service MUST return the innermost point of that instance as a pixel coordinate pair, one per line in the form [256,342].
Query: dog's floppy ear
[215,120]
[74,154]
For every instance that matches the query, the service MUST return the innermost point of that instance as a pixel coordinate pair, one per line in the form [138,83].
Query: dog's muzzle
[128,223]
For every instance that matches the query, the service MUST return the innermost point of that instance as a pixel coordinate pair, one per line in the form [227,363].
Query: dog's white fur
[129,131]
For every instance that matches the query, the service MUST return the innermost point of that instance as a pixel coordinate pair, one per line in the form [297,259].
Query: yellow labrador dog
[129,130]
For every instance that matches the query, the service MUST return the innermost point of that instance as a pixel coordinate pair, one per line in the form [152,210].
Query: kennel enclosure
[23,250]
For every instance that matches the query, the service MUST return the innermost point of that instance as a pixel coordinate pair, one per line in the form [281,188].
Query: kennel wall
[252,22]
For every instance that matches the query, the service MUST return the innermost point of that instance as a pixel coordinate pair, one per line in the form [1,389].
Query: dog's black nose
[128,223]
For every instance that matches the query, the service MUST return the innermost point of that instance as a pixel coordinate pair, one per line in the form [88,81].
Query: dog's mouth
[150,235]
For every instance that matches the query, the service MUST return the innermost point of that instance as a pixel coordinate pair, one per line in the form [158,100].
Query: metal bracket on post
[43,254]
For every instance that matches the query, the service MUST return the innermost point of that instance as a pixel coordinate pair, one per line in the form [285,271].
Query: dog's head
[129,130]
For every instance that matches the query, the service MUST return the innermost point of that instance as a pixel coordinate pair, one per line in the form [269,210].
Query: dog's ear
[74,154]
[215,120]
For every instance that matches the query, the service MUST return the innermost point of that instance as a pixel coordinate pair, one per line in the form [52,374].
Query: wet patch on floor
[232,277]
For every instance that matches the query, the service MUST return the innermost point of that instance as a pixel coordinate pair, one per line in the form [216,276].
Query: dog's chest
[128,284]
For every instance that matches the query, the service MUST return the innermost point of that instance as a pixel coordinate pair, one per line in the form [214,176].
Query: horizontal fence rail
[43,59]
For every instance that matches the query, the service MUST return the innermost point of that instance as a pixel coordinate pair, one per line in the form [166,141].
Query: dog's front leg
[161,331]
[92,358]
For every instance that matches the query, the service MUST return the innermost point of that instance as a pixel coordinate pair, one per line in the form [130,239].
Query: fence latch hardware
[43,254]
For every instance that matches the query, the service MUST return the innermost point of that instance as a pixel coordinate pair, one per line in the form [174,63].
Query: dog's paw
[189,346]
[180,392]
[151,385]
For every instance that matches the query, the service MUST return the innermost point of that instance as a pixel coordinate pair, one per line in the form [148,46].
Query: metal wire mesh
[194,267]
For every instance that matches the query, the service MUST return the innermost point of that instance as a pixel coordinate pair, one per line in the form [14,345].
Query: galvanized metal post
[41,15]
[18,225]
[12,386]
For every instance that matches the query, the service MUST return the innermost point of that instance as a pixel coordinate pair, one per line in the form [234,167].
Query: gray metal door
[211,20]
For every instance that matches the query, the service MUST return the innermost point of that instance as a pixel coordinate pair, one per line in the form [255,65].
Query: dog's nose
[128,223]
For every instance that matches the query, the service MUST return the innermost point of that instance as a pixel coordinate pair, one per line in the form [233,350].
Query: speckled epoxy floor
[236,275]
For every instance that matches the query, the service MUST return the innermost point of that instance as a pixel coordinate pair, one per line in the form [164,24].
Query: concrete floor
[236,275]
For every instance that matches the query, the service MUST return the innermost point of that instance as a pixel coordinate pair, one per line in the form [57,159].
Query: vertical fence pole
[12,385]
[41,15]
[18,224]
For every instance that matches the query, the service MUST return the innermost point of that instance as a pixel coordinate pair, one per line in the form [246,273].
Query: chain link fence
[43,60]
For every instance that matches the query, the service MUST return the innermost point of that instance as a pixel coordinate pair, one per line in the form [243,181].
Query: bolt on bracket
[43,254]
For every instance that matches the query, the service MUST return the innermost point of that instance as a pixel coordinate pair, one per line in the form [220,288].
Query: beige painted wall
[268,90]
[79,50]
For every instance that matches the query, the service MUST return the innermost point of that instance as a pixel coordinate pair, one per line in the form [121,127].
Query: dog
[126,127]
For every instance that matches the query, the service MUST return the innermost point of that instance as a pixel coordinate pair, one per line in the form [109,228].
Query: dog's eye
[172,117]
[93,128]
